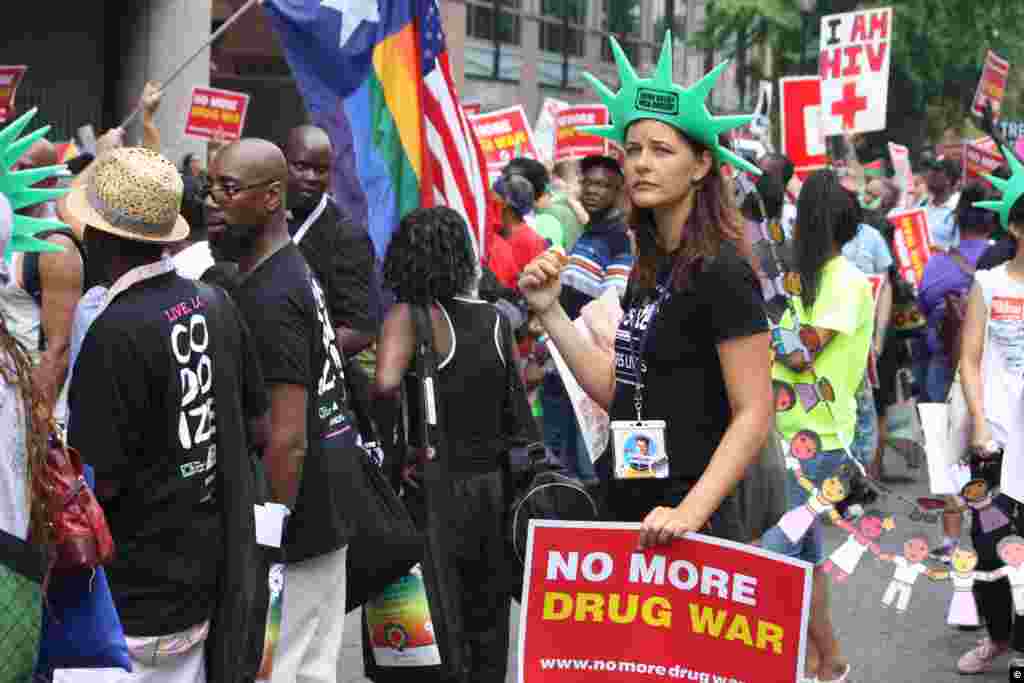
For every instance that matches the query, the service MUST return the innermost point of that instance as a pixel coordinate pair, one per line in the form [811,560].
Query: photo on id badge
[640,449]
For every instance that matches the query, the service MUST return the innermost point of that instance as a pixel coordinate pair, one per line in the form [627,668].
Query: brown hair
[714,219]
[16,370]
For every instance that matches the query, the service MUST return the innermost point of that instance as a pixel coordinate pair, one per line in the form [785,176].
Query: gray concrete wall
[158,36]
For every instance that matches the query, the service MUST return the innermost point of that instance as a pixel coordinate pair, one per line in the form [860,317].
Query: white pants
[1018,599]
[312,620]
[188,668]
[902,588]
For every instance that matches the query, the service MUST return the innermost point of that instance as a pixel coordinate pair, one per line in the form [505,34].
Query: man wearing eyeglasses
[312,433]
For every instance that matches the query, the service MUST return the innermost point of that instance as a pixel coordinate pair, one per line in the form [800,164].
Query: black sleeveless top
[473,380]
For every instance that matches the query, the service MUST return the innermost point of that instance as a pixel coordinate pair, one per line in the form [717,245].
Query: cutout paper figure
[785,397]
[963,610]
[909,566]
[809,397]
[792,284]
[1011,551]
[863,537]
[834,489]
[978,496]
[787,341]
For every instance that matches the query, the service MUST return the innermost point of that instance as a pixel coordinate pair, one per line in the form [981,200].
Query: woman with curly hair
[430,263]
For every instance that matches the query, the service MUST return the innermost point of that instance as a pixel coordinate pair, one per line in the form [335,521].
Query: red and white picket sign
[991,85]
[854,65]
[800,107]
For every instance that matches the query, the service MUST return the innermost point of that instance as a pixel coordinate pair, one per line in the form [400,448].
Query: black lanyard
[637,352]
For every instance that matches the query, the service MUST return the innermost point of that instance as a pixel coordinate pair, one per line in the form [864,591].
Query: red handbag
[78,528]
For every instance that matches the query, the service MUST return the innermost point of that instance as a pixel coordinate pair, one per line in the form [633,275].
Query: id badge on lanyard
[639,445]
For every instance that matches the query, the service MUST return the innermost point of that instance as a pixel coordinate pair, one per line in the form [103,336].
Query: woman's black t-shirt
[684,382]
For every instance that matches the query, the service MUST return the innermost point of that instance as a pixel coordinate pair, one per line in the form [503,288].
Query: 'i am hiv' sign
[854,63]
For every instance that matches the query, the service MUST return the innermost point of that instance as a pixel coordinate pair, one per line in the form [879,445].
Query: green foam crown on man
[17,186]
[1012,189]
[660,99]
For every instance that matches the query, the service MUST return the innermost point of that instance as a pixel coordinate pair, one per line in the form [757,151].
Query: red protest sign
[10,79]
[214,111]
[992,85]
[699,609]
[503,134]
[570,143]
[979,161]
[913,243]
[800,106]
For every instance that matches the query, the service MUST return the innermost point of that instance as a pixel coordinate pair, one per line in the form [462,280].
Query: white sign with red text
[854,63]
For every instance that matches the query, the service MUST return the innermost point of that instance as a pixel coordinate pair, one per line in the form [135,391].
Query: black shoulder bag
[386,544]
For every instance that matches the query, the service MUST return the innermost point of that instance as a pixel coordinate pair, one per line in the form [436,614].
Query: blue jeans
[939,379]
[865,435]
[562,433]
[809,548]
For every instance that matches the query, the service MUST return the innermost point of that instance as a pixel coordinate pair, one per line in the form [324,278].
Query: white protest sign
[546,128]
[854,63]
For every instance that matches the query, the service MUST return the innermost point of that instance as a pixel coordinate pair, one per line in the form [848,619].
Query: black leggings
[995,601]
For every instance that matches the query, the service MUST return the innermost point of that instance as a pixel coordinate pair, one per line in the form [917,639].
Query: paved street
[883,645]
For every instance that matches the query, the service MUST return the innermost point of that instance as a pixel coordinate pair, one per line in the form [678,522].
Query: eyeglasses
[229,192]
[302,168]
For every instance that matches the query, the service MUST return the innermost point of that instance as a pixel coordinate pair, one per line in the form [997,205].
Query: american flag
[455,172]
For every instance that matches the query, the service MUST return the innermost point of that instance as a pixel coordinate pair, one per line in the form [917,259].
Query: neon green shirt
[844,305]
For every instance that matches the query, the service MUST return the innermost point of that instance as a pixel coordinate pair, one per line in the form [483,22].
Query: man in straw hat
[162,387]
[313,438]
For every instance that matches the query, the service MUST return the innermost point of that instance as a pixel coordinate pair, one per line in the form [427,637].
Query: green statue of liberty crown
[660,99]
[17,186]
[1012,189]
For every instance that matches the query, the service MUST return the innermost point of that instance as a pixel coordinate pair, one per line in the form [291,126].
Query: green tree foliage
[938,50]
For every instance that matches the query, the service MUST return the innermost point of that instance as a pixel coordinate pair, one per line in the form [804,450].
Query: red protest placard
[214,111]
[503,134]
[570,143]
[979,161]
[596,609]
[10,79]
[913,243]
[992,85]
[800,107]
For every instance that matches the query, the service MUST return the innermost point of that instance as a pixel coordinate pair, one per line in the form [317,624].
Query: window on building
[621,18]
[554,37]
[480,20]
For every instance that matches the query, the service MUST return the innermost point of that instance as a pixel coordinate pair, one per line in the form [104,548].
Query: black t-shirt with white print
[143,414]
[685,386]
[286,309]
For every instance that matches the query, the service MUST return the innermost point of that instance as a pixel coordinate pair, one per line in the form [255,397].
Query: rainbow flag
[375,75]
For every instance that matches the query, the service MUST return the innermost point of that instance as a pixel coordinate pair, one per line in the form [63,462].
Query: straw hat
[133,193]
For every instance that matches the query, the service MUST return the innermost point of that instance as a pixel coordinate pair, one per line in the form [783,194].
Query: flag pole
[214,36]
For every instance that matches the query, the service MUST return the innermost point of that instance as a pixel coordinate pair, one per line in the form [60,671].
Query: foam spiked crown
[17,186]
[1011,188]
[659,98]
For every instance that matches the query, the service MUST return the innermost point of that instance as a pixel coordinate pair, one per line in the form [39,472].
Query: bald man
[39,305]
[339,252]
[312,435]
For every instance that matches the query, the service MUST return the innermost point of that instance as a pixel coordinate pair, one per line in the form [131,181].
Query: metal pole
[565,44]
[804,20]
[214,36]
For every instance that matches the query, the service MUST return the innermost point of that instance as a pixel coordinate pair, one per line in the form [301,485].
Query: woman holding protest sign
[688,384]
